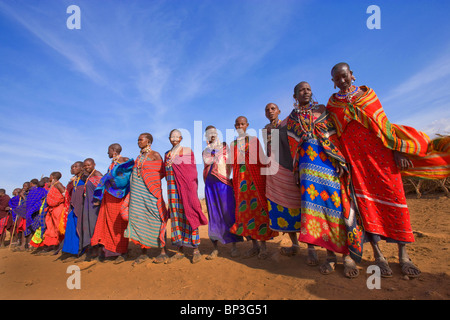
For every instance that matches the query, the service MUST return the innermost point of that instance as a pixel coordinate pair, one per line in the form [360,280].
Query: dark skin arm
[154,156]
[97,173]
[60,187]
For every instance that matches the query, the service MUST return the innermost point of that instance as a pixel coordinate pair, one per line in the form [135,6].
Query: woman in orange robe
[55,206]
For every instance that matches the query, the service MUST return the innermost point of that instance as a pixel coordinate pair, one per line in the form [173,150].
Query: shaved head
[340,65]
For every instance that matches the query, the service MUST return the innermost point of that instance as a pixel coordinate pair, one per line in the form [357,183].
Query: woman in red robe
[376,151]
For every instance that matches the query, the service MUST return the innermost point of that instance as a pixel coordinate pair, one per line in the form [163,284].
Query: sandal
[386,271]
[177,256]
[409,269]
[119,259]
[251,253]
[162,258]
[329,266]
[139,259]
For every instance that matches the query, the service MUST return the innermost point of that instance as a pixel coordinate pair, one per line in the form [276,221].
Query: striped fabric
[435,165]
[181,232]
[284,197]
[368,111]
[431,159]
[145,224]
[441,144]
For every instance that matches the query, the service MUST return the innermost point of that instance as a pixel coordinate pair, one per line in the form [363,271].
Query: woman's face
[303,94]
[143,141]
[76,168]
[342,78]
[241,125]
[111,153]
[272,111]
[211,135]
[89,166]
[175,138]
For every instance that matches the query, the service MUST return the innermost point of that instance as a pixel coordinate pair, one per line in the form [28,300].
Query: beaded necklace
[77,180]
[85,185]
[141,159]
[115,160]
[242,144]
[348,96]
[171,155]
[305,117]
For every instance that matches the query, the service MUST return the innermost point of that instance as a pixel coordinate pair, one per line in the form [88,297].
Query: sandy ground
[26,276]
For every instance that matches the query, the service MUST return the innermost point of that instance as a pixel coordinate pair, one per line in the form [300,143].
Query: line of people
[330,177]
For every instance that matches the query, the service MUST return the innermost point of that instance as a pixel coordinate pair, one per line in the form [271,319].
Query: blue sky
[151,66]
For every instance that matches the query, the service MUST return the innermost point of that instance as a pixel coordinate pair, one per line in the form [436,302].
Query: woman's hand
[403,163]
[340,170]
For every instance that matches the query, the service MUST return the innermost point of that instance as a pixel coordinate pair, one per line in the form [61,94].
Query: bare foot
[350,269]
[251,253]
[312,259]
[197,257]
[263,254]
[212,255]
[235,253]
[289,251]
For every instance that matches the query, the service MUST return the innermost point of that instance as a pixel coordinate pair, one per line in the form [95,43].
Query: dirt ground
[26,276]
